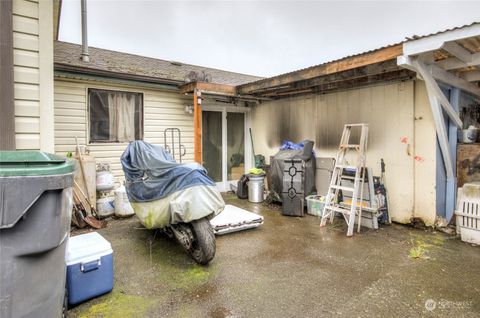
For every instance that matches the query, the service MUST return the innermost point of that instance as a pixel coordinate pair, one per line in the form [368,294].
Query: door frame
[224,185]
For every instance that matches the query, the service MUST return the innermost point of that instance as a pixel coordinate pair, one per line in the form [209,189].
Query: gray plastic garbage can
[35,212]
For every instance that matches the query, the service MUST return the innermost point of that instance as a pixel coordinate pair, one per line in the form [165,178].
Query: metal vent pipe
[85,57]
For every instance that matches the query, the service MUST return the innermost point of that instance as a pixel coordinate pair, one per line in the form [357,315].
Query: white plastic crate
[468,213]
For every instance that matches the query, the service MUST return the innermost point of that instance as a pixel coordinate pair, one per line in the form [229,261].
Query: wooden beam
[454,63]
[433,88]
[364,81]
[197,126]
[472,76]
[7,106]
[450,79]
[345,64]
[369,70]
[458,51]
[204,87]
[413,63]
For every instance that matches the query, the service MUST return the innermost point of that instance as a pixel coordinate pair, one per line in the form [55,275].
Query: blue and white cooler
[89,261]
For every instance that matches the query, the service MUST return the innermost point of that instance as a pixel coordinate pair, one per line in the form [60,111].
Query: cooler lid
[86,247]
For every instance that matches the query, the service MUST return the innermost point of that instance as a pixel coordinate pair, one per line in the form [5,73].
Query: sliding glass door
[224,147]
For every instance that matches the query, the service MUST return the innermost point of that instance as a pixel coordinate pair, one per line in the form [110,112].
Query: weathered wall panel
[33,74]
[163,109]
[388,109]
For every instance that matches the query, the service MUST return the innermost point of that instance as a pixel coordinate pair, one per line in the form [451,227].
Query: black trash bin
[35,213]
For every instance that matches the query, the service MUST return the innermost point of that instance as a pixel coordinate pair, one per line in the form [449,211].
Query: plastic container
[469,135]
[255,188]
[315,204]
[105,207]
[89,262]
[123,208]
[242,187]
[105,181]
[35,212]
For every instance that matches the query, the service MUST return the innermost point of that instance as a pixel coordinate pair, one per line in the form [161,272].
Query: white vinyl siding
[162,109]
[28,34]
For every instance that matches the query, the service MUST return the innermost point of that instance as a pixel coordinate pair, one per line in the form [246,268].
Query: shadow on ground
[290,267]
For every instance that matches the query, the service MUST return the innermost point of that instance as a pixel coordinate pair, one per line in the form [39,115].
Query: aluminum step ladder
[332,204]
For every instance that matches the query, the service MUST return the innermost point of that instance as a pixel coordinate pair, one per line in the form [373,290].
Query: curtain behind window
[126,117]
[115,116]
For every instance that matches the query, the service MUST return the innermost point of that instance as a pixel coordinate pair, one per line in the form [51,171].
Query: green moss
[117,305]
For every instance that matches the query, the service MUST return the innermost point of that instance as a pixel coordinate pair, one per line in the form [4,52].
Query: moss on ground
[117,304]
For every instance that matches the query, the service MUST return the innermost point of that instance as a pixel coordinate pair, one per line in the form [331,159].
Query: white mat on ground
[233,219]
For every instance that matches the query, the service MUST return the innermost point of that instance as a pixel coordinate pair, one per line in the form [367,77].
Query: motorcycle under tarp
[163,192]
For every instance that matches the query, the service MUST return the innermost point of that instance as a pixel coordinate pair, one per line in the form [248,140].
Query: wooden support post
[197,125]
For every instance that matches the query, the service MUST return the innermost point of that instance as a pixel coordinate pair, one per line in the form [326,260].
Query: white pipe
[85,57]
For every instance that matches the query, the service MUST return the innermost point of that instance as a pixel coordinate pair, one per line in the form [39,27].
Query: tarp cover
[277,167]
[163,192]
[151,172]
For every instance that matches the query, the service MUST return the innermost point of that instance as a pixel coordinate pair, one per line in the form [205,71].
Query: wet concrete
[289,267]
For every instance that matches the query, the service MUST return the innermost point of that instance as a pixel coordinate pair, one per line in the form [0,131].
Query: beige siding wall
[390,111]
[33,74]
[163,109]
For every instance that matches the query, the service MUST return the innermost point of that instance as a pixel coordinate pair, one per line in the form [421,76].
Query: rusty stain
[404,139]
[419,158]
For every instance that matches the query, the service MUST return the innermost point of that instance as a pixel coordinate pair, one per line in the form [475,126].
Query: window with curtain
[115,116]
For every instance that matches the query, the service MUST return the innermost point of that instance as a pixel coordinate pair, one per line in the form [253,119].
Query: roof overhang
[358,70]
[451,57]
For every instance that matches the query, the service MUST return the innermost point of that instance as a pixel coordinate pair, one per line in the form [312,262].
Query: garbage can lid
[33,163]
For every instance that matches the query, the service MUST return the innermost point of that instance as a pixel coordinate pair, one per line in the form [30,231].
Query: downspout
[85,57]
[7,108]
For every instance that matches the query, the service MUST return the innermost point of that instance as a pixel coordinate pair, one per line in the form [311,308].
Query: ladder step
[343,177]
[349,146]
[346,167]
[338,209]
[355,125]
[339,187]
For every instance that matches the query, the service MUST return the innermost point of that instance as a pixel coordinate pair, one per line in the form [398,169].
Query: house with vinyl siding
[55,98]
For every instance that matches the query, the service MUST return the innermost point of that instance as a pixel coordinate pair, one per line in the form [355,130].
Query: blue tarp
[290,145]
[151,173]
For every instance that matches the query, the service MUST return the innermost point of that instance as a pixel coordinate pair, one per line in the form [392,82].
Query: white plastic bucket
[105,207]
[105,181]
[123,208]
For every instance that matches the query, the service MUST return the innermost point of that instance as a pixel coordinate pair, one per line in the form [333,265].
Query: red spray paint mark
[419,158]
[404,140]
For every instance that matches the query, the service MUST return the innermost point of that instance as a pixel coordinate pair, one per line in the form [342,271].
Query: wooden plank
[456,50]
[348,63]
[197,120]
[346,84]
[213,88]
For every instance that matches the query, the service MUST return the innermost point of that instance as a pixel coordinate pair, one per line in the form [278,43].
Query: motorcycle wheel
[203,245]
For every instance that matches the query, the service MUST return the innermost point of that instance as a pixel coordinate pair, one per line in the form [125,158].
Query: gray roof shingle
[68,54]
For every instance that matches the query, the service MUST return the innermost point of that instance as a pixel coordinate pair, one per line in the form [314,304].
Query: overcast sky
[262,38]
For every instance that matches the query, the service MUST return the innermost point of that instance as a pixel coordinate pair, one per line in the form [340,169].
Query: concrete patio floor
[289,267]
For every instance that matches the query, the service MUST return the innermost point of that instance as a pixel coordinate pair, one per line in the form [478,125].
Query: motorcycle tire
[203,246]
